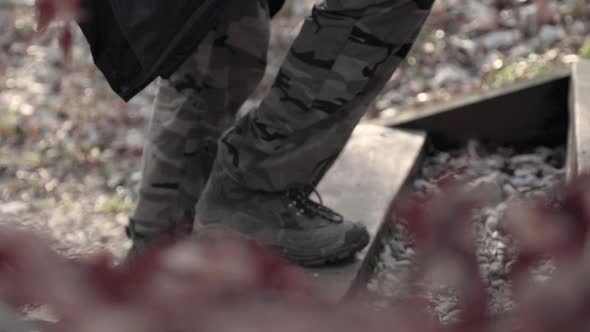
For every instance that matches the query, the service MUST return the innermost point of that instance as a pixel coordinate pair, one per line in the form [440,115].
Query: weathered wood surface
[366,178]
[579,128]
[533,111]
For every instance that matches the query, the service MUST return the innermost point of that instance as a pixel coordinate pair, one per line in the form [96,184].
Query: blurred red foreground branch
[62,10]
[231,286]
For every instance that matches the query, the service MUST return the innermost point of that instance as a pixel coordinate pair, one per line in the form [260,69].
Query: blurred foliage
[579,8]
[585,50]
[226,286]
[118,202]
[515,71]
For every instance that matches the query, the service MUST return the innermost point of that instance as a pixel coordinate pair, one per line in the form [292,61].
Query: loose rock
[505,176]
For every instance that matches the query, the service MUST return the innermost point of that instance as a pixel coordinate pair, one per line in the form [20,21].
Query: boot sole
[339,256]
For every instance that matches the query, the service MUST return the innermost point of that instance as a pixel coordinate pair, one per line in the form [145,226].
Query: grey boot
[289,223]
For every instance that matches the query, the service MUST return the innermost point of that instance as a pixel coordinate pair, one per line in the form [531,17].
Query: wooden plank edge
[462,101]
[571,162]
[373,252]
[442,121]
[577,162]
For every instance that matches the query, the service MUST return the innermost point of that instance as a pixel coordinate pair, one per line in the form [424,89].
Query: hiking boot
[289,223]
[145,237]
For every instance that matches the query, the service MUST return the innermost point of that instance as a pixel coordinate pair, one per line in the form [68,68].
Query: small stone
[501,39]
[449,74]
[509,190]
[391,277]
[526,159]
[495,162]
[389,112]
[382,304]
[13,207]
[134,139]
[491,186]
[526,183]
[496,268]
[541,278]
[481,15]
[116,181]
[550,34]
[442,158]
[525,171]
[543,152]
[42,313]
[467,46]
[528,18]
[423,185]
[136,177]
[403,263]
[373,286]
[483,260]
[397,247]
[446,307]
[508,18]
[452,316]
[387,258]
[578,27]
[497,283]
[520,50]
[548,170]
[492,222]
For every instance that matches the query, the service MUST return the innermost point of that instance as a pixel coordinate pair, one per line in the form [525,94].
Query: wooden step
[532,111]
[578,154]
[361,185]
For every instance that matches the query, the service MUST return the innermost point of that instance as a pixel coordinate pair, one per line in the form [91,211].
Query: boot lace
[300,200]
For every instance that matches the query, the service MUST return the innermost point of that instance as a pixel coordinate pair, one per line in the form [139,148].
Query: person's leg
[344,55]
[269,162]
[191,111]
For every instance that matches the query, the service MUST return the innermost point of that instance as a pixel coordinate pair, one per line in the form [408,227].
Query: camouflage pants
[345,53]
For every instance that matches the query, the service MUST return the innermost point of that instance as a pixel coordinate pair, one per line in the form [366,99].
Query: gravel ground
[507,175]
[70,149]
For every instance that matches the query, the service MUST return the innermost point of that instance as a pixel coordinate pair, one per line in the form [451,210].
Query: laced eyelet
[300,200]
